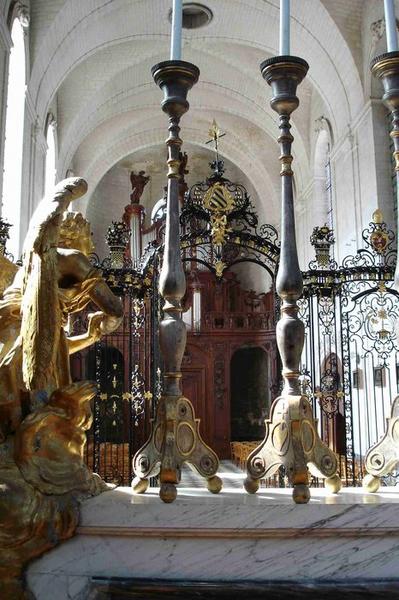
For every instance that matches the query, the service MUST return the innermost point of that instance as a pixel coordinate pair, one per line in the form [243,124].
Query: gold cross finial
[214,132]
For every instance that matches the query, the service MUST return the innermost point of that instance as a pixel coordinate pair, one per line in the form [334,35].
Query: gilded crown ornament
[322,239]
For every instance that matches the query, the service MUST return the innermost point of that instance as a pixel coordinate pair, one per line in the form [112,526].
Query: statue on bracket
[43,415]
[138,181]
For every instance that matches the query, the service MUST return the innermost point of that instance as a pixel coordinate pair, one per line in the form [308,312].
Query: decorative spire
[117,238]
[322,239]
[215,134]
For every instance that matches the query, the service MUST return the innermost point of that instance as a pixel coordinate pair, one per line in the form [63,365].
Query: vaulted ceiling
[91,60]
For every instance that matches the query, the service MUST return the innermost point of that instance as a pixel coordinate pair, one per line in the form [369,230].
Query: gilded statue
[55,281]
[43,415]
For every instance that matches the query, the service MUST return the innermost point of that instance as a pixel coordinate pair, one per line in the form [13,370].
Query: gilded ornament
[379,240]
[220,266]
[377,217]
[218,199]
[219,229]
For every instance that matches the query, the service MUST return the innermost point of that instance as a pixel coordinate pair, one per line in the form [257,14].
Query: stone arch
[61,44]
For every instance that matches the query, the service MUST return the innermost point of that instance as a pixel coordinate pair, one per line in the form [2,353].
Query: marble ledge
[265,537]
[269,509]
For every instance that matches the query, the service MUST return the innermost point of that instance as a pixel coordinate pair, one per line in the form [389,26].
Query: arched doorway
[250,393]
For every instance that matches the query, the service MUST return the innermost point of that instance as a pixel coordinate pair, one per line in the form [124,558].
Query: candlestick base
[292,440]
[383,457]
[175,439]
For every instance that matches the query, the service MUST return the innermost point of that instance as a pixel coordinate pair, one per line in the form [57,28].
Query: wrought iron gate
[350,367]
[350,363]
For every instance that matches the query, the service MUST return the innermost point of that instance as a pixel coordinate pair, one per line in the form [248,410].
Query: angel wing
[40,309]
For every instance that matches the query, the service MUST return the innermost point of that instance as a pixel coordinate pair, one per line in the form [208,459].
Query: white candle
[284,27]
[390,25]
[177,18]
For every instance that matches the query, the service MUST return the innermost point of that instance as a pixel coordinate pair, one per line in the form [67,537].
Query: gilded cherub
[56,279]
[49,443]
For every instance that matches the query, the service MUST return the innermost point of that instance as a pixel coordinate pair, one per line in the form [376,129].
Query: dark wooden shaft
[284,74]
[395,137]
[290,329]
[175,78]
[172,281]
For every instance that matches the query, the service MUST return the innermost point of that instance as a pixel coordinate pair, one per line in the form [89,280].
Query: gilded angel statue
[42,468]
[56,279]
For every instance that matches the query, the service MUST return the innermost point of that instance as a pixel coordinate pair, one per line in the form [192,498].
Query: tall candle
[284,27]
[390,25]
[177,18]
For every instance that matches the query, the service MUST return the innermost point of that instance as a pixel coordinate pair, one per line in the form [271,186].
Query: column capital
[134,209]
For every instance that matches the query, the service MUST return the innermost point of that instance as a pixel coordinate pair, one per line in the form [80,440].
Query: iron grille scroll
[349,365]
[220,227]
[117,364]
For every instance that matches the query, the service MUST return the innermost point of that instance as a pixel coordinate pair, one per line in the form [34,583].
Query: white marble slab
[302,557]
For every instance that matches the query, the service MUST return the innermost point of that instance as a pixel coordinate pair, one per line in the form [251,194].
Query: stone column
[5,47]
[33,162]
[132,217]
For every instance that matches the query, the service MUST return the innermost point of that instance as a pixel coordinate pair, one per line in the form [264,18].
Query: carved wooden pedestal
[175,439]
[292,440]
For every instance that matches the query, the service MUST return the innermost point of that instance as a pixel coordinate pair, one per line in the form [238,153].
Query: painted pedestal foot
[140,485]
[292,440]
[383,457]
[175,439]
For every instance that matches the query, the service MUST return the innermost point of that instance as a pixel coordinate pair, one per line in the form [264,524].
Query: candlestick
[284,27]
[177,20]
[390,25]
[291,437]
[175,438]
